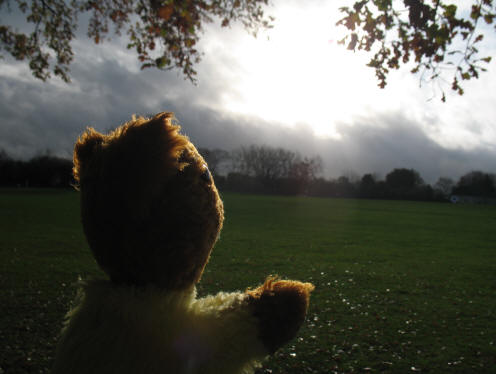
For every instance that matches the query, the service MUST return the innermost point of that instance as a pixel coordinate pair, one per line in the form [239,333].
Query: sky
[291,87]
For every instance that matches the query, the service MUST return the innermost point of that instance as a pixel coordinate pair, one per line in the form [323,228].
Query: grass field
[400,286]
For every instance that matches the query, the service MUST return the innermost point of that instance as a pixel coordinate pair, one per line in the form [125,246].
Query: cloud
[371,145]
[383,142]
[38,116]
[108,88]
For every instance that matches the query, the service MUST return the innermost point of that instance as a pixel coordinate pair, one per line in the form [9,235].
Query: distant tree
[7,169]
[49,171]
[264,162]
[302,173]
[430,34]
[344,187]
[40,171]
[4,156]
[368,181]
[444,186]
[321,187]
[382,190]
[367,186]
[407,184]
[306,169]
[243,183]
[424,192]
[351,175]
[278,170]
[475,183]
[163,33]
[403,179]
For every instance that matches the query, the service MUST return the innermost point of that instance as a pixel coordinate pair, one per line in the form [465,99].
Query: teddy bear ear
[165,120]
[167,117]
[86,146]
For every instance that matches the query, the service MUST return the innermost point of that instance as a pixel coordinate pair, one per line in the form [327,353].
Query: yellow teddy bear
[151,214]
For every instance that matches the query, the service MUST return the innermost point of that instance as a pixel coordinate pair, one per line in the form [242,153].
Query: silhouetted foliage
[427,34]
[321,187]
[344,187]
[40,171]
[476,183]
[164,34]
[403,179]
[406,184]
[11,171]
[238,182]
[371,188]
[444,186]
[269,170]
[264,162]
[276,170]
[367,186]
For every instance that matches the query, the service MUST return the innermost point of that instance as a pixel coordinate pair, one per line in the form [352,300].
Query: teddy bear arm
[227,322]
[280,307]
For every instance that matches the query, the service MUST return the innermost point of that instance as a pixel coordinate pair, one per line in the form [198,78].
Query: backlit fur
[148,215]
[122,329]
[151,215]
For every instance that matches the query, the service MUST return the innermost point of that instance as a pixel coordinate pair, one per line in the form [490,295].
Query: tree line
[270,170]
[40,171]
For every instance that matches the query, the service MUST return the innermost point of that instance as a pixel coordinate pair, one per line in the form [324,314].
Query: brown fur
[148,215]
[280,306]
[151,214]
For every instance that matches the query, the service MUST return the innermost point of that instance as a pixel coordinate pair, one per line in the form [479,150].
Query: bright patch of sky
[297,74]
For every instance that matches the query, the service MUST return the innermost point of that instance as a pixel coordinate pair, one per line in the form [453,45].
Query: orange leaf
[166,11]
[189,43]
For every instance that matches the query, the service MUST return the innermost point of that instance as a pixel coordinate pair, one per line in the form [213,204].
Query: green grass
[400,286]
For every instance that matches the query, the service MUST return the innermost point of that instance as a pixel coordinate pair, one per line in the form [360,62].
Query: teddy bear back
[149,207]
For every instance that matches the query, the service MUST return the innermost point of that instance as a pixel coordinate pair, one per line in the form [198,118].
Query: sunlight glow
[299,74]
[296,74]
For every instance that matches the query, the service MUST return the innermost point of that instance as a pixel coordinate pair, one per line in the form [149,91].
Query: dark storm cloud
[373,145]
[387,141]
[38,116]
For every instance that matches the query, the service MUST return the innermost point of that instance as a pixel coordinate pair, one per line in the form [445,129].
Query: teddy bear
[151,214]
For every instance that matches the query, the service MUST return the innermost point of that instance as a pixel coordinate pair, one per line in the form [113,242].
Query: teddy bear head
[150,210]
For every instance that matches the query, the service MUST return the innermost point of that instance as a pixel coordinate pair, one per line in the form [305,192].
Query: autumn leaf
[189,43]
[174,24]
[166,11]
[489,18]
[431,36]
